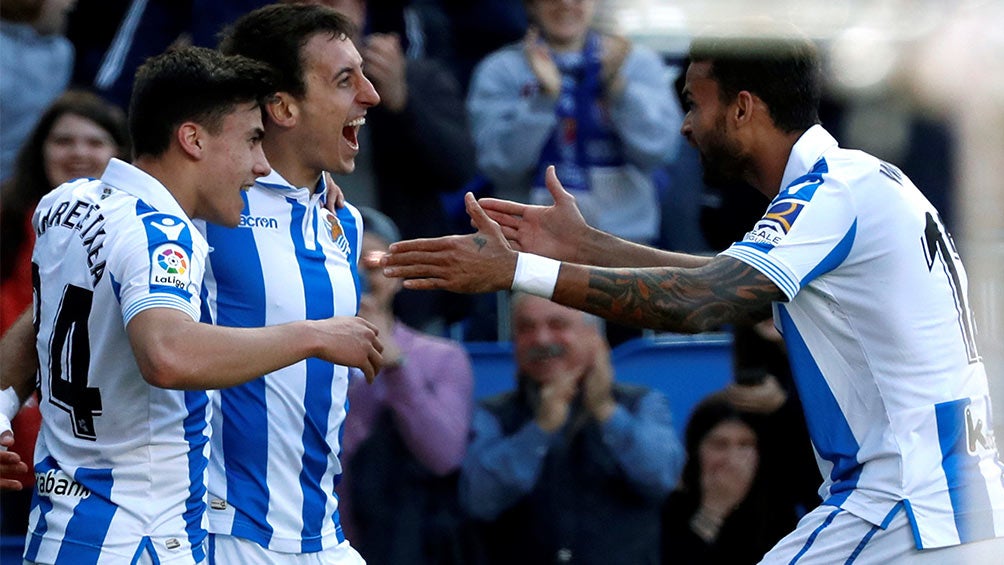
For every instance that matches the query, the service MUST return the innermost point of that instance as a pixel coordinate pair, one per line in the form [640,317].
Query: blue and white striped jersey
[882,344]
[120,464]
[276,440]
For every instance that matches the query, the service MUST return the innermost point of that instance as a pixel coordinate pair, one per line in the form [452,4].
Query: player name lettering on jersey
[57,483]
[87,220]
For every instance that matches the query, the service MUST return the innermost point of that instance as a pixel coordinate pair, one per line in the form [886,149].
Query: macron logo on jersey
[258,222]
[776,223]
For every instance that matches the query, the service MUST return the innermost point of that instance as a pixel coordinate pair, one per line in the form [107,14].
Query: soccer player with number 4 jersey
[123,360]
[864,282]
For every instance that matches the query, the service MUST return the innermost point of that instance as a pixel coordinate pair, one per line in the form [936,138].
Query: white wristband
[535,275]
[9,406]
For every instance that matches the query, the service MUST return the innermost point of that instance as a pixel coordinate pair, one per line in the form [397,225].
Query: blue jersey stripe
[241,302]
[351,229]
[966,487]
[44,504]
[91,518]
[835,257]
[828,427]
[197,402]
[320,376]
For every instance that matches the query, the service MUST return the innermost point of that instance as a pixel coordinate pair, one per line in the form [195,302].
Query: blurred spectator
[405,434]
[149,27]
[594,105]
[416,145]
[75,137]
[570,467]
[479,27]
[722,513]
[36,62]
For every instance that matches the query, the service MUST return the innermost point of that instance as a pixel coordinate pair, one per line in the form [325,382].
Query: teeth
[356,122]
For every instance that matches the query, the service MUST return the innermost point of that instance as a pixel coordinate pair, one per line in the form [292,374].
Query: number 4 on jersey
[70,358]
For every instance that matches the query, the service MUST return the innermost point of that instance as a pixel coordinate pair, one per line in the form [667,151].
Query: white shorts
[232,550]
[829,535]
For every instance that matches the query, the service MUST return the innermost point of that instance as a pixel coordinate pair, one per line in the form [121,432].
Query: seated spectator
[570,467]
[75,137]
[597,107]
[722,513]
[36,62]
[405,434]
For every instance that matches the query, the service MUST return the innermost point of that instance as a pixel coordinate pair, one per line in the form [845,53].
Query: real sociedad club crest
[336,231]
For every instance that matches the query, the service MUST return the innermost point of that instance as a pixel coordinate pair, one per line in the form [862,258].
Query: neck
[568,46]
[769,163]
[286,159]
[175,177]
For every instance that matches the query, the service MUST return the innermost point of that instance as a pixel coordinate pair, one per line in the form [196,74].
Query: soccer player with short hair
[276,440]
[118,265]
[865,284]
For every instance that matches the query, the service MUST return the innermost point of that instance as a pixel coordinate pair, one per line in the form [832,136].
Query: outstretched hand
[552,231]
[474,263]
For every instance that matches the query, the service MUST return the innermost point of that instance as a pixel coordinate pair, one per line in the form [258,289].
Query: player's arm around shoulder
[174,351]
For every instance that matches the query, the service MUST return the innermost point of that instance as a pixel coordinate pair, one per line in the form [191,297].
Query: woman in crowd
[722,513]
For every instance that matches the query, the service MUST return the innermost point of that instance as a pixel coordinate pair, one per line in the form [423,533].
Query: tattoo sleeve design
[725,290]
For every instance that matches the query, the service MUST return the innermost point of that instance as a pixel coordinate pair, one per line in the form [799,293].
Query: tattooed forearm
[682,300]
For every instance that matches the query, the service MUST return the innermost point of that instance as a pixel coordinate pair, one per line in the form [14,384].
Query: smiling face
[706,127]
[234,159]
[550,340]
[334,105]
[76,147]
[563,23]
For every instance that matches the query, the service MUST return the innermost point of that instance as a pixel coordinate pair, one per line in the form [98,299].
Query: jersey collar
[275,181]
[137,182]
[806,151]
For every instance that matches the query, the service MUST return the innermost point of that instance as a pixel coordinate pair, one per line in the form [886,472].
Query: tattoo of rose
[480,242]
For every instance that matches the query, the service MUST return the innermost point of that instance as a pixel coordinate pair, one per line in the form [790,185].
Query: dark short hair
[191,84]
[29,181]
[276,34]
[781,71]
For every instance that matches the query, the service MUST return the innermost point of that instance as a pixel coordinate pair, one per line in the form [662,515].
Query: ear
[190,138]
[743,111]
[282,109]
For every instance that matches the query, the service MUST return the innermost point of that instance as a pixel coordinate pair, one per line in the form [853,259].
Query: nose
[260,167]
[367,94]
[687,130]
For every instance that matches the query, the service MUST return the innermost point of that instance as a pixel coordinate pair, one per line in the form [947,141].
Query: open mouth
[351,132]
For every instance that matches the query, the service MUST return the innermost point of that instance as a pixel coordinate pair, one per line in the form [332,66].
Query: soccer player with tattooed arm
[896,396]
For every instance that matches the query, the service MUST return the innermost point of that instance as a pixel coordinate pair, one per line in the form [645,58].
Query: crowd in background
[476,96]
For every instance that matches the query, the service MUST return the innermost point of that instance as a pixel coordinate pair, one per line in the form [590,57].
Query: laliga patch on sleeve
[776,223]
[170,242]
[171,266]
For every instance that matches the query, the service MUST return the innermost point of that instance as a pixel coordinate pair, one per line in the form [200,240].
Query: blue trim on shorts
[146,546]
[908,508]
[884,525]
[812,537]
